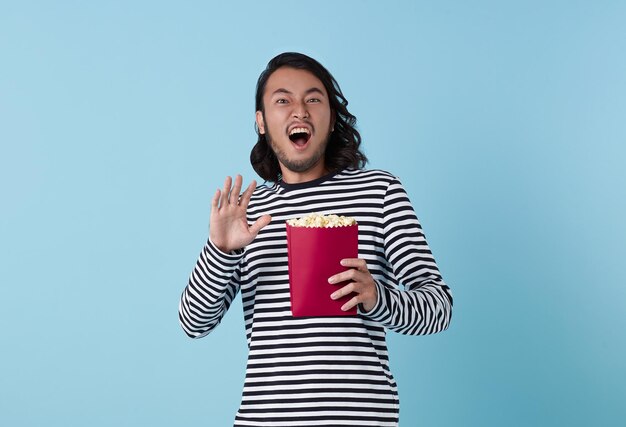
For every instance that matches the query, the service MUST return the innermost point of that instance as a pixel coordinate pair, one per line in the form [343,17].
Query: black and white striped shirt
[326,371]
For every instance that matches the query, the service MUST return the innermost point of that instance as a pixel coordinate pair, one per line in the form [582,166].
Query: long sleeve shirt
[322,371]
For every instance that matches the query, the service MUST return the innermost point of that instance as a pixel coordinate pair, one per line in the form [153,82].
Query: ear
[260,123]
[332,121]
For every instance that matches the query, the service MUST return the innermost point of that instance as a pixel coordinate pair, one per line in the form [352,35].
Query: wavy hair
[342,150]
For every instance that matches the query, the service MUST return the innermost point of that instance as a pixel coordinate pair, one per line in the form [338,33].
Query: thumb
[260,223]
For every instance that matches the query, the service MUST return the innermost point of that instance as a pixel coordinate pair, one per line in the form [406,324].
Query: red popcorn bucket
[314,254]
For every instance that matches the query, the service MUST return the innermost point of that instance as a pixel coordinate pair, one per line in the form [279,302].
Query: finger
[234,194]
[245,197]
[215,200]
[351,274]
[351,304]
[227,183]
[358,263]
[259,224]
[345,290]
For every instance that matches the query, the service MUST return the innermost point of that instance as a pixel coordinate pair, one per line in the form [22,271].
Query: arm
[214,282]
[212,287]
[425,306]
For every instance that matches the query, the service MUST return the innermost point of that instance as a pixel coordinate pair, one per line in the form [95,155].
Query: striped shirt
[322,371]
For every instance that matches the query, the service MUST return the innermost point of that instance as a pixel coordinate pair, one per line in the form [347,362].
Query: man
[314,371]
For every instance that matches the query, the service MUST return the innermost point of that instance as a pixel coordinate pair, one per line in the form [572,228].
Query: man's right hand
[228,226]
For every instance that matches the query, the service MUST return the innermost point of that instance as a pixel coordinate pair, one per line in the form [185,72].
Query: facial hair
[297,165]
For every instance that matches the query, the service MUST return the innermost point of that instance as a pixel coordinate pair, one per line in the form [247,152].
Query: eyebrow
[307,92]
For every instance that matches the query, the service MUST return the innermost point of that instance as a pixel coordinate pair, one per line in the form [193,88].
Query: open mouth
[300,136]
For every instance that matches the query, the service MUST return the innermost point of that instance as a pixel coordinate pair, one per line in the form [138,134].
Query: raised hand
[228,226]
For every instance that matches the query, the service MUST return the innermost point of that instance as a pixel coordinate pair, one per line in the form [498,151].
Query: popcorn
[317,220]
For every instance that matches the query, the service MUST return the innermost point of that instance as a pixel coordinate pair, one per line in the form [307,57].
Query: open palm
[228,226]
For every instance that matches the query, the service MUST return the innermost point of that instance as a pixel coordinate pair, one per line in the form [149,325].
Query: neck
[315,172]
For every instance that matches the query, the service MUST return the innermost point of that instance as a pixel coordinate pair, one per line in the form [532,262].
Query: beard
[297,165]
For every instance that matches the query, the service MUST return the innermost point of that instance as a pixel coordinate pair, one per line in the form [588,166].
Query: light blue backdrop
[506,121]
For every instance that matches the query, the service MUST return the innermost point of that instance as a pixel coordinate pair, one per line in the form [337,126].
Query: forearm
[424,310]
[212,286]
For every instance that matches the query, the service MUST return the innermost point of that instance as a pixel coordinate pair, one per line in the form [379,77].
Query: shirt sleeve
[424,306]
[212,287]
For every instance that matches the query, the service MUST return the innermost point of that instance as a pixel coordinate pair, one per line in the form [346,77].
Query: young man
[314,371]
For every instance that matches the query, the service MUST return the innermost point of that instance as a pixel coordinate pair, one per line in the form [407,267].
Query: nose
[300,111]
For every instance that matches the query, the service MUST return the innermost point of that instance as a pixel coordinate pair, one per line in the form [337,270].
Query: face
[297,122]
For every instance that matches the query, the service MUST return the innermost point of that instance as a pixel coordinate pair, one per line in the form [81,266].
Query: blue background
[504,120]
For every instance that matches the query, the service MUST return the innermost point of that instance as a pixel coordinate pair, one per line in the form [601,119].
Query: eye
[281,101]
[313,100]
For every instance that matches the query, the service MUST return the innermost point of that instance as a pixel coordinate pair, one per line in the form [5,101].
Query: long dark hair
[342,150]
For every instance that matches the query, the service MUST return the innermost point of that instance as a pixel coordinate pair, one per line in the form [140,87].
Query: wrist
[375,306]
[223,249]
[220,246]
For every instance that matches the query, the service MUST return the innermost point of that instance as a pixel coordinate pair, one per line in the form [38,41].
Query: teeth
[299,130]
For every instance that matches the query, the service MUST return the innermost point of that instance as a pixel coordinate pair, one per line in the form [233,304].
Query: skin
[292,98]
[296,97]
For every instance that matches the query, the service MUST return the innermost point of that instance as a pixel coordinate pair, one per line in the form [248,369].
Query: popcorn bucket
[314,254]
